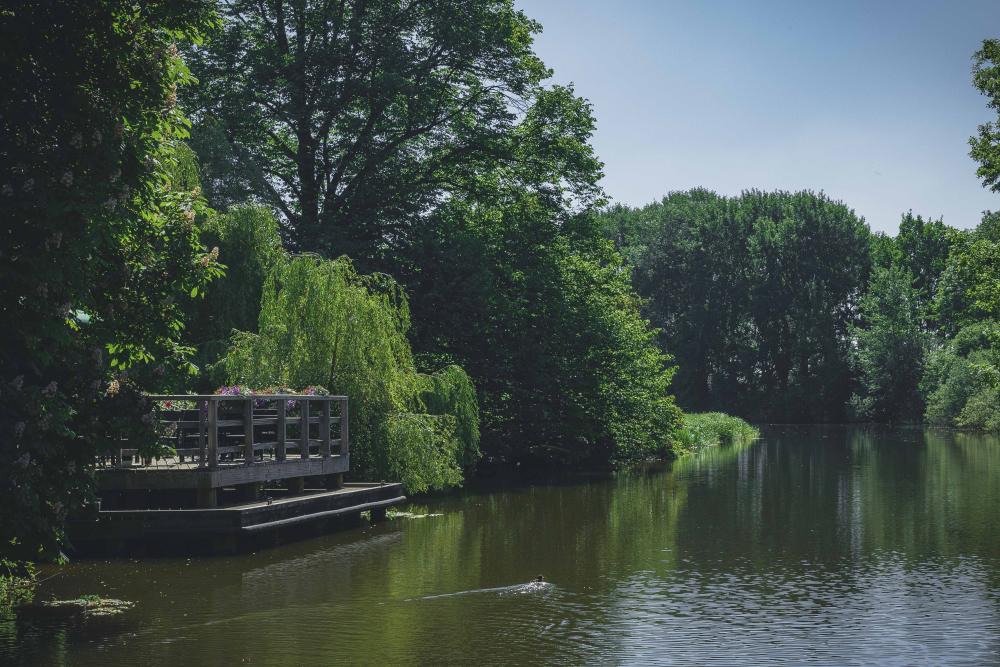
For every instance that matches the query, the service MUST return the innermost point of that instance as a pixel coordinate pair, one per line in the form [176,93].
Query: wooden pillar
[207,497]
[281,432]
[324,429]
[335,481]
[213,433]
[248,457]
[304,444]
[344,435]
[202,432]
[248,493]
[296,485]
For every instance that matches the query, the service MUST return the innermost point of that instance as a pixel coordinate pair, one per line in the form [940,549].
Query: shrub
[322,323]
[710,429]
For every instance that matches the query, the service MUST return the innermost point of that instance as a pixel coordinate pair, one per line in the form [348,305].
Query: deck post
[213,433]
[344,436]
[304,435]
[324,429]
[207,497]
[248,431]
[281,433]
[202,432]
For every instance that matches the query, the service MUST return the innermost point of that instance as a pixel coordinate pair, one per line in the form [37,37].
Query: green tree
[985,147]
[889,349]
[754,295]
[249,245]
[99,248]
[421,140]
[924,246]
[962,381]
[361,115]
[543,316]
[321,323]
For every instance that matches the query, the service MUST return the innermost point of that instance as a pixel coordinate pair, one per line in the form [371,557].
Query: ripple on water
[887,611]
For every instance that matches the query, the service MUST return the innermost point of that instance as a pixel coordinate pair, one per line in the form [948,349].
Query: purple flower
[50,389]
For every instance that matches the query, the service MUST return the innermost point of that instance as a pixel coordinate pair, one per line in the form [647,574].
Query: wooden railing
[245,429]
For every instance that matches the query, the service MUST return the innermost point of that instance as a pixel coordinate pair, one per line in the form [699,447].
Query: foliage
[360,115]
[250,247]
[985,148]
[889,348]
[542,315]
[450,391]
[962,381]
[710,429]
[754,296]
[323,323]
[17,584]
[422,140]
[99,247]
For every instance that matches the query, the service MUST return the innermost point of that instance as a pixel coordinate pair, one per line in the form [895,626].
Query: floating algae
[84,608]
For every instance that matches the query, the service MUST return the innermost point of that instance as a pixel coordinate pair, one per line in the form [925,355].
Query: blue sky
[871,102]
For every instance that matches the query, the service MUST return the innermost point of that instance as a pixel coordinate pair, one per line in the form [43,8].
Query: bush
[962,380]
[710,429]
[322,323]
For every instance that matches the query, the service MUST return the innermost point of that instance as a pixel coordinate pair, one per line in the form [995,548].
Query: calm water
[812,546]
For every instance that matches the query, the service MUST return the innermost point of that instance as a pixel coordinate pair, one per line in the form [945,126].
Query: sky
[869,102]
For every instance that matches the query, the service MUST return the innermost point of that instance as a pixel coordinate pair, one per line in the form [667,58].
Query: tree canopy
[99,249]
[354,118]
[755,296]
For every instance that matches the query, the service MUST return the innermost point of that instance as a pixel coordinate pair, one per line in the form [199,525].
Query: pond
[814,545]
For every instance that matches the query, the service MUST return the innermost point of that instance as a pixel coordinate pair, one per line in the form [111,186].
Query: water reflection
[813,545]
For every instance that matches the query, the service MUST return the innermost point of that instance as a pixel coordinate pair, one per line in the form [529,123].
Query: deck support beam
[207,497]
[296,485]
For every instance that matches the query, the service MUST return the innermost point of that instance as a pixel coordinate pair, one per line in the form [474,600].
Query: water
[817,545]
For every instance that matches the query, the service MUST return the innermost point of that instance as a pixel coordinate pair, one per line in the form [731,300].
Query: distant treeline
[785,307]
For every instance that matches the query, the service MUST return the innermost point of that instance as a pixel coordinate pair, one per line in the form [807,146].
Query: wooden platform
[232,528]
[191,475]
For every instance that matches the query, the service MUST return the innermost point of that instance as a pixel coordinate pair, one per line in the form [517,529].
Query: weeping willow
[322,323]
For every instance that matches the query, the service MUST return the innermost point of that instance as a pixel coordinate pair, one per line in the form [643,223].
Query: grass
[711,429]
[17,584]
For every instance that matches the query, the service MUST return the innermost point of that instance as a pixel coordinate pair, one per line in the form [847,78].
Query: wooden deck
[232,528]
[230,441]
[228,473]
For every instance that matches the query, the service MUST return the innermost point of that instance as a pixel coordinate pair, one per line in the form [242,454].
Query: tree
[321,323]
[961,385]
[420,139]
[249,245]
[545,320]
[889,349]
[985,147]
[924,246]
[99,247]
[354,118]
[754,295]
